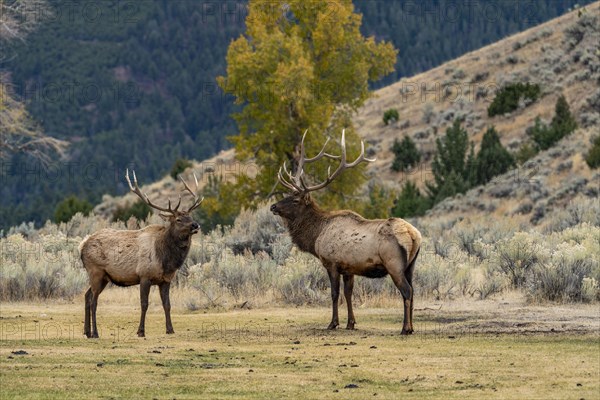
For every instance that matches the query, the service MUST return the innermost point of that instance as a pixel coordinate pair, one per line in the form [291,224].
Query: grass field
[457,352]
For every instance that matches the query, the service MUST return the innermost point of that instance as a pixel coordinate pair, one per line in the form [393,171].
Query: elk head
[299,200]
[181,223]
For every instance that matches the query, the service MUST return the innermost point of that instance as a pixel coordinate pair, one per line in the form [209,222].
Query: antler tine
[197,199]
[297,183]
[288,184]
[342,166]
[136,189]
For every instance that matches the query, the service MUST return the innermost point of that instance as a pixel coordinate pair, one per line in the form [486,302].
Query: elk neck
[306,228]
[172,249]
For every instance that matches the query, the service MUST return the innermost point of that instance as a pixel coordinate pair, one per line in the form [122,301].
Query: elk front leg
[144,292]
[164,296]
[334,278]
[348,286]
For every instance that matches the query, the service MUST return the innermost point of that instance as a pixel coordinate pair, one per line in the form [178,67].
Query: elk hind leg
[405,288]
[87,328]
[409,277]
[144,293]
[348,287]
[97,285]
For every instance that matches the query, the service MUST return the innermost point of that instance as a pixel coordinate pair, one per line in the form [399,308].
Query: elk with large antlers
[346,243]
[145,257]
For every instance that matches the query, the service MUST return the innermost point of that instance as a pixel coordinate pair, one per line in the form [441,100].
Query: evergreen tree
[406,154]
[70,206]
[593,156]
[492,159]
[452,166]
[563,124]
[410,202]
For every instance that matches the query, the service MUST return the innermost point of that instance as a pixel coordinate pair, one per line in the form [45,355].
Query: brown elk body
[145,257]
[348,244]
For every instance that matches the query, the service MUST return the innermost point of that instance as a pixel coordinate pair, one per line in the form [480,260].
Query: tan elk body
[346,243]
[145,257]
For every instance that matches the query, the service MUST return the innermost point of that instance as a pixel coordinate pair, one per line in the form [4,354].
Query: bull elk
[346,243]
[145,257]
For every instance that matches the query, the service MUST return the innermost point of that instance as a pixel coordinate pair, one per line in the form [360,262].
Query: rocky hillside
[562,56]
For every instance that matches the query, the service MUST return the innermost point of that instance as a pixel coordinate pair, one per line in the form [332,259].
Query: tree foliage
[179,166]
[140,210]
[453,164]
[406,154]
[20,133]
[216,209]
[510,96]
[593,156]
[306,69]
[563,124]
[410,202]
[492,159]
[70,206]
[390,115]
[136,86]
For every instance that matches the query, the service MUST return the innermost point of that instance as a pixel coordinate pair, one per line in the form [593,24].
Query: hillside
[140,89]
[545,55]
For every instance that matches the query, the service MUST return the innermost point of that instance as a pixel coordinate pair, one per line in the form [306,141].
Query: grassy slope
[286,353]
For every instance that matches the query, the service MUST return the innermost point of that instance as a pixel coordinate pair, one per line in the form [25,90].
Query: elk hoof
[93,336]
[406,332]
[332,326]
[141,334]
[170,331]
[350,326]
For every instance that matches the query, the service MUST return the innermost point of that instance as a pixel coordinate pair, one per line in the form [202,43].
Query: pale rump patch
[408,237]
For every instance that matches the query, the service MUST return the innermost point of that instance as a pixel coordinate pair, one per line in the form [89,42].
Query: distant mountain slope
[134,84]
[546,55]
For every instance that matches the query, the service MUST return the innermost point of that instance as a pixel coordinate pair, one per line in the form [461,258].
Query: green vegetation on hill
[134,83]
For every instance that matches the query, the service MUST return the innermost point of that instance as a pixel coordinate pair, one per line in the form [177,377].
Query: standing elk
[346,243]
[145,257]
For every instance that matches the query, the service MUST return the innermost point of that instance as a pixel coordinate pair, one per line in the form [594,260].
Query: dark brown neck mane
[172,249]
[306,228]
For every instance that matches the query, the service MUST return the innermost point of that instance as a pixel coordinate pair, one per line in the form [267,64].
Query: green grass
[286,353]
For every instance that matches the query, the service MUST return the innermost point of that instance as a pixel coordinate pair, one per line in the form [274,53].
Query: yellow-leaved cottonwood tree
[301,65]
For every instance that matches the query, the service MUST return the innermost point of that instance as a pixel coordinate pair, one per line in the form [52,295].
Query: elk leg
[164,296]
[87,329]
[334,278]
[97,288]
[409,277]
[407,294]
[348,287]
[144,292]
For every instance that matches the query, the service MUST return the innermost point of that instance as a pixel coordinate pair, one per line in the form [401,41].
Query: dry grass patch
[458,352]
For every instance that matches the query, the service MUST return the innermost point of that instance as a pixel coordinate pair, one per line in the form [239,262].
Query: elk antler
[136,189]
[197,200]
[296,182]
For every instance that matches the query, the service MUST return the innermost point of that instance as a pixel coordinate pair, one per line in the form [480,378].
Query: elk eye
[178,219]
[296,201]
